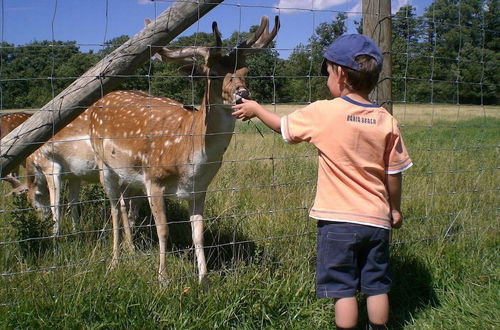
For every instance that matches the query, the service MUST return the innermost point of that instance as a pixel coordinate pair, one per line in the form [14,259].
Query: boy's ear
[341,74]
[340,71]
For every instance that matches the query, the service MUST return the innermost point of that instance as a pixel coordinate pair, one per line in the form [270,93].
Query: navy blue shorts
[351,258]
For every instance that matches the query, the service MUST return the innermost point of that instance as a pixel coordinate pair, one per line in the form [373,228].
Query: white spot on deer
[178,139]
[167,143]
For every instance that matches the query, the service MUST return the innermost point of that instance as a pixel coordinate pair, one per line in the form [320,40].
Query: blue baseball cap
[344,50]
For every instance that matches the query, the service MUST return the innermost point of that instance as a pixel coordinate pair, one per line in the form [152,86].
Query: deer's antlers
[261,37]
[186,56]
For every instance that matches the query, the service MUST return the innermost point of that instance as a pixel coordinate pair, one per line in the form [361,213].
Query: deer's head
[225,73]
[37,190]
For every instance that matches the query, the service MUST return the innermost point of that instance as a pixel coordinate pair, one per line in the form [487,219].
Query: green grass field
[261,243]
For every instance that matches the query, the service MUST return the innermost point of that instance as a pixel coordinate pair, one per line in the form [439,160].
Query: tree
[460,47]
[30,72]
[137,81]
[410,61]
[304,83]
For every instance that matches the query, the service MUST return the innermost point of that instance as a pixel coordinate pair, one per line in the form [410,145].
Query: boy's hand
[246,110]
[397,219]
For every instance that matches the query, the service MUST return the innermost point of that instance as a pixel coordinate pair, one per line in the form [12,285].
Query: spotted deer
[158,146]
[67,156]
[8,122]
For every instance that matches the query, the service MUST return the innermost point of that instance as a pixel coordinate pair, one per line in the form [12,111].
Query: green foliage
[31,233]
[447,55]
[301,80]
[30,72]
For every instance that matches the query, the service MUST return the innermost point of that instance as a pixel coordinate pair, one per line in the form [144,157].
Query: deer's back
[71,150]
[10,121]
[144,137]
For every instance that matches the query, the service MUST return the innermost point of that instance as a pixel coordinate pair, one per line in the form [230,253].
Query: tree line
[449,54]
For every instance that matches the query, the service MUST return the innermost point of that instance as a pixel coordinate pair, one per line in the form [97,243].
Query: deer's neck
[218,124]
[218,118]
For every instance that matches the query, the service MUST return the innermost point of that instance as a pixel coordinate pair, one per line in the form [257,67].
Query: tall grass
[261,246]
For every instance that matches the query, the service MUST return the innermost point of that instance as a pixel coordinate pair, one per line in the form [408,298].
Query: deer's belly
[131,178]
[85,169]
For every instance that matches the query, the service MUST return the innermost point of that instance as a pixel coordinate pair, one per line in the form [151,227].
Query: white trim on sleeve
[284,128]
[399,170]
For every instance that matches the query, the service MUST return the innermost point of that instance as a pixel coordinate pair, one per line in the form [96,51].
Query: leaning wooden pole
[377,25]
[97,81]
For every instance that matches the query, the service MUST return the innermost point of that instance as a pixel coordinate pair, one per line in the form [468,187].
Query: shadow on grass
[411,291]
[223,247]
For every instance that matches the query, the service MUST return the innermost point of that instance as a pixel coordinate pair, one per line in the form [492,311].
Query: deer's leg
[134,204]
[196,208]
[157,204]
[53,177]
[112,189]
[126,224]
[73,194]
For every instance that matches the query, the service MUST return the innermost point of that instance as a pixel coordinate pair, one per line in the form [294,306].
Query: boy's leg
[346,312]
[376,278]
[378,309]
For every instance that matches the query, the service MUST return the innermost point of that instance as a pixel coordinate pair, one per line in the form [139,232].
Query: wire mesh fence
[445,96]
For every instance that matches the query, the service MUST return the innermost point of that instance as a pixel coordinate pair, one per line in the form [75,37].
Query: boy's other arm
[394,183]
[250,109]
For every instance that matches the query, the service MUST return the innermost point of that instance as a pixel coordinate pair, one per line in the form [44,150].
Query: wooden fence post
[97,81]
[377,25]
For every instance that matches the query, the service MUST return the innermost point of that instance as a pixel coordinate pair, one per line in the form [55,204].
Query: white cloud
[291,6]
[395,5]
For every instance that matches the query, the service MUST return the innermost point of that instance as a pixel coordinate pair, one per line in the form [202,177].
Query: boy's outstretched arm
[394,183]
[250,109]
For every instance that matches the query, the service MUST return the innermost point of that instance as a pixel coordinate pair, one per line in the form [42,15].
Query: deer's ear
[187,59]
[18,190]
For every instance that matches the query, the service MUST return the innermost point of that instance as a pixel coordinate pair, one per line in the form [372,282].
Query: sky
[92,22]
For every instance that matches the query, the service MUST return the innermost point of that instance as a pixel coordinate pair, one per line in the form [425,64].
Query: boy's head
[359,58]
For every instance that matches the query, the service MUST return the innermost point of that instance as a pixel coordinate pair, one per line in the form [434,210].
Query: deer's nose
[243,93]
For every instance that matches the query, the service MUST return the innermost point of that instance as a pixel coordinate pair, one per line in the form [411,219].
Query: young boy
[358,194]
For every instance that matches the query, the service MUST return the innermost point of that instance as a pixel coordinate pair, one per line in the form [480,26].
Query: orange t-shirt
[358,145]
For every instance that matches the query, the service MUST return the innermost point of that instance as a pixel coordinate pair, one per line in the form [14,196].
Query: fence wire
[257,205]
